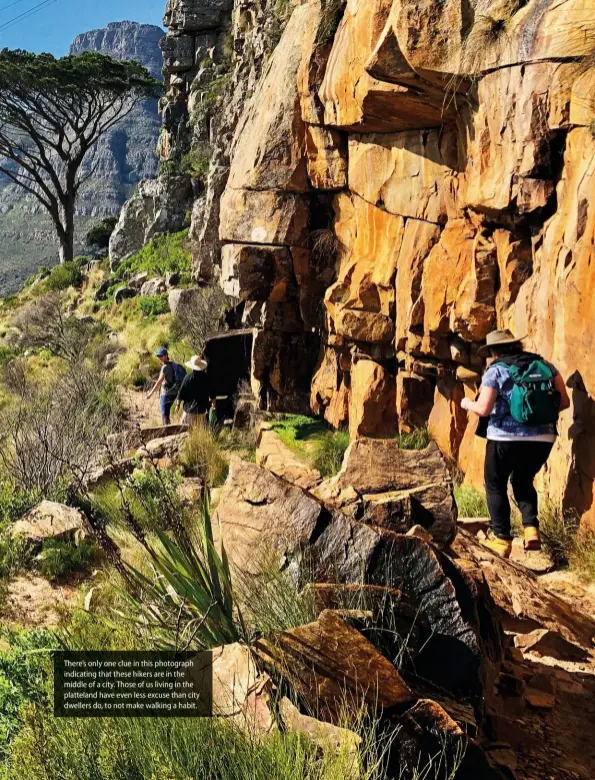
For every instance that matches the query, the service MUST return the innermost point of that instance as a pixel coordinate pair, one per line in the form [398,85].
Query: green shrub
[9,353]
[23,671]
[163,255]
[59,558]
[99,234]
[471,502]
[63,276]
[153,306]
[138,380]
[196,163]
[187,603]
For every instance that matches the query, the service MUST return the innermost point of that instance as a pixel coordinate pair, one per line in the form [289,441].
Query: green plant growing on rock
[162,255]
[418,439]
[314,441]
[154,306]
[196,163]
[332,14]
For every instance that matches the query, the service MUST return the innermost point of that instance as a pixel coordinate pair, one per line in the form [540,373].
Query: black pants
[519,462]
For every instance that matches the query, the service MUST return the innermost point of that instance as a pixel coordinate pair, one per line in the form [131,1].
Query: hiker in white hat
[194,393]
[521,398]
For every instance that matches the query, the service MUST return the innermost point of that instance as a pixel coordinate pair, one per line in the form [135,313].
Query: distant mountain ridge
[123,158]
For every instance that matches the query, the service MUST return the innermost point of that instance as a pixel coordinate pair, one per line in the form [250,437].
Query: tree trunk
[66,234]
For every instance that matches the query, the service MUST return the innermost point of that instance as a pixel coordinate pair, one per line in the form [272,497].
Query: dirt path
[33,602]
[140,410]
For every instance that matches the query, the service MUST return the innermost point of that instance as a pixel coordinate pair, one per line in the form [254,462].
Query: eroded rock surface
[403,178]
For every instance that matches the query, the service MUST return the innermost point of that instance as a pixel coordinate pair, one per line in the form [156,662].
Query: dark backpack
[534,400]
[179,373]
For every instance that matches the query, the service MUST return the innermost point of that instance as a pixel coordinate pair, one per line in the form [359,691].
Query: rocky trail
[491,650]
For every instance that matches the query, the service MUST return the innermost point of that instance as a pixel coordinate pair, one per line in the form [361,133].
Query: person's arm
[561,388]
[484,405]
[157,385]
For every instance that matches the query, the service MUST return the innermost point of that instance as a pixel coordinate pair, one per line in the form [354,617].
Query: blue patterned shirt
[502,426]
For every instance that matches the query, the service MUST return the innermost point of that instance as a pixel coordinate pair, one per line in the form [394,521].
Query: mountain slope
[123,158]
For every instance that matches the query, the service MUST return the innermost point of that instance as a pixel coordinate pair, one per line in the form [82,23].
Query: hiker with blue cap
[170,380]
[520,401]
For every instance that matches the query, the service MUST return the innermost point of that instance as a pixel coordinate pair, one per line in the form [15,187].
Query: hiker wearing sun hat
[194,394]
[522,396]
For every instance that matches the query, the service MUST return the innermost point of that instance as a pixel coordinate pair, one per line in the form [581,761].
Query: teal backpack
[534,400]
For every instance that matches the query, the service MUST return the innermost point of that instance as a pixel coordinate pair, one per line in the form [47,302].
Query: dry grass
[202,456]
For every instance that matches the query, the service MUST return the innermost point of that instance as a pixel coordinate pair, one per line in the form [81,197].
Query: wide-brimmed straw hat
[498,338]
[196,363]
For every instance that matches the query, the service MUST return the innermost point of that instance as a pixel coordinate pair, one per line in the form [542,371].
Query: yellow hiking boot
[502,547]
[532,540]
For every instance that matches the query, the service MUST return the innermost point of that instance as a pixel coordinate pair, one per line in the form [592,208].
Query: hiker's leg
[166,406]
[497,473]
[531,457]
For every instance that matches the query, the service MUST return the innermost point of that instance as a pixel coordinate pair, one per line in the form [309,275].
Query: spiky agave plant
[186,602]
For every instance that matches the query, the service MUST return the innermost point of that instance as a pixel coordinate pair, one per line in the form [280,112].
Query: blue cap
[162,352]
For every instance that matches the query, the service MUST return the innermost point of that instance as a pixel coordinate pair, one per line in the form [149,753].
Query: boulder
[265,521]
[269,142]
[151,433]
[153,287]
[50,520]
[166,447]
[180,298]
[521,599]
[241,693]
[551,644]
[329,663]
[194,15]
[361,303]
[123,293]
[411,174]
[327,737]
[138,280]
[395,488]
[274,455]
[372,402]
[191,491]
[353,100]
[268,217]
[257,273]
[159,206]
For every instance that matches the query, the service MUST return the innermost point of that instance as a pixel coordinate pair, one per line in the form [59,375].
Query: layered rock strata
[404,178]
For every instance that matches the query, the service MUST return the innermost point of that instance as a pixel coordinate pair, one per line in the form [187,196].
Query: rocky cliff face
[122,159]
[404,177]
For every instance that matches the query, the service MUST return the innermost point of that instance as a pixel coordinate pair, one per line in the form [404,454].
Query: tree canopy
[52,113]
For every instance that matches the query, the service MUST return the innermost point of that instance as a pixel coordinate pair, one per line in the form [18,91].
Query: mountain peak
[125,40]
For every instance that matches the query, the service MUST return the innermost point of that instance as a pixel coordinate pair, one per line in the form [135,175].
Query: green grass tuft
[314,441]
[471,502]
[418,439]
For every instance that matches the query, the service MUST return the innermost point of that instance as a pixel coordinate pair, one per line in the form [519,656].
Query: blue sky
[53,27]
